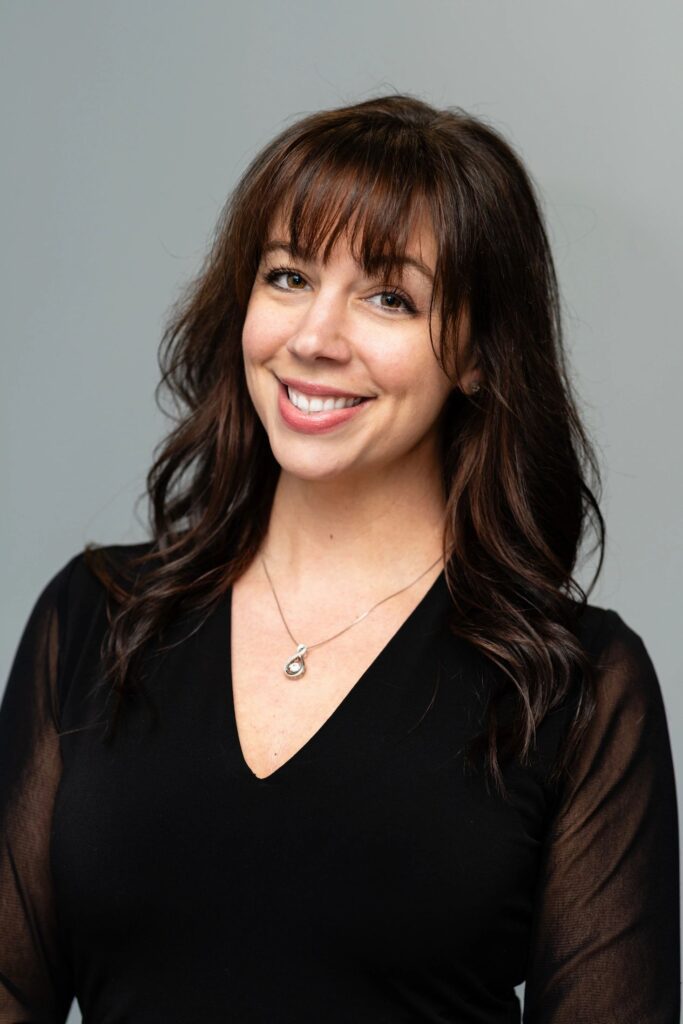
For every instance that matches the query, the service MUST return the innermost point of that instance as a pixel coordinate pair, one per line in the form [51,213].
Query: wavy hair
[519,471]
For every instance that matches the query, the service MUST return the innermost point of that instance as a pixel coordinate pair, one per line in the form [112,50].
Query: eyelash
[270,277]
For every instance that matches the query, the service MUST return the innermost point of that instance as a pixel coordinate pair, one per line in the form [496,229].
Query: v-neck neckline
[341,709]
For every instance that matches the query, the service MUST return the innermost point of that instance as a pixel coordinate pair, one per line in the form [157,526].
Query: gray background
[124,126]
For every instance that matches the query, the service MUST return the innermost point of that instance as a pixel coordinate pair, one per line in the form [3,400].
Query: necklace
[295,666]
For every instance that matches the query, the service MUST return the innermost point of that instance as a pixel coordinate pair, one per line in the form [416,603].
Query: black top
[368,880]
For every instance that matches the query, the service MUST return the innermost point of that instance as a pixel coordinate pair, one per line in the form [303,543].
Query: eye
[295,280]
[393,300]
[398,301]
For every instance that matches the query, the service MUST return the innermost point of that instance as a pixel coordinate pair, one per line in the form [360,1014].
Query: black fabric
[369,880]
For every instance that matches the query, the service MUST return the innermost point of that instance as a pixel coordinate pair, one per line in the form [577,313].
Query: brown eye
[394,301]
[294,281]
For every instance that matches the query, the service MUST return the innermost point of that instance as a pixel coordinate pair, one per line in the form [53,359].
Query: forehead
[417,253]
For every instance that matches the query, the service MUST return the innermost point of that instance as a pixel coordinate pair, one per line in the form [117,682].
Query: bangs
[352,188]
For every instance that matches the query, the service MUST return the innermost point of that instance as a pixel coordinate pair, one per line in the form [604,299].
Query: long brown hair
[517,462]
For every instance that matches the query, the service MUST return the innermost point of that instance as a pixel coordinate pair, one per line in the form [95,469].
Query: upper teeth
[319,404]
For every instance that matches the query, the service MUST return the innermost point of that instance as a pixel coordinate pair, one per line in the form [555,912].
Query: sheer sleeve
[35,981]
[606,938]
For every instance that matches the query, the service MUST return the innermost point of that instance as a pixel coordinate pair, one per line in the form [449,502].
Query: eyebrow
[403,261]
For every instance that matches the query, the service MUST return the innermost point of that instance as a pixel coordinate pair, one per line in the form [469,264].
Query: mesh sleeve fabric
[35,981]
[606,939]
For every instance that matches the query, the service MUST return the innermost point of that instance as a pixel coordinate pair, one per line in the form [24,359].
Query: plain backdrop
[124,125]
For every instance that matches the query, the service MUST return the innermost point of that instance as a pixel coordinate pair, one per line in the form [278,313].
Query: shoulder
[628,731]
[613,706]
[618,652]
[625,673]
[78,602]
[67,613]
[74,590]
[119,559]
[628,720]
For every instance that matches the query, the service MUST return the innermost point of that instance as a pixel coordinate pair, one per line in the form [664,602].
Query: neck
[385,527]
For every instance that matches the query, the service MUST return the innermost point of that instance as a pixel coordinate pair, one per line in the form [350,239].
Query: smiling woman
[361,336]
[367,752]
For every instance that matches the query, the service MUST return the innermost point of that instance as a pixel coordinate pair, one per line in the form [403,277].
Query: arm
[35,980]
[606,940]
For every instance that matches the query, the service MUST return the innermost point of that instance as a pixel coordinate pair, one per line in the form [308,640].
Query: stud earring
[475,387]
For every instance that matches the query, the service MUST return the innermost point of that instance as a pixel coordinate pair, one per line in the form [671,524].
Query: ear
[470,379]
[471,382]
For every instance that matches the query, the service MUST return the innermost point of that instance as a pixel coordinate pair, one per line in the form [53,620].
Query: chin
[310,465]
[310,471]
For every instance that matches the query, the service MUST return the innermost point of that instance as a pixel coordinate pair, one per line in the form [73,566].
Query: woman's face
[331,334]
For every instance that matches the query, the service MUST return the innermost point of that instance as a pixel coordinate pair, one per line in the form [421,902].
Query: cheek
[412,375]
[255,336]
[256,350]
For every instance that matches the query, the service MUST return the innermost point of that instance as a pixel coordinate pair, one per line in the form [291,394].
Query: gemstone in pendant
[296,665]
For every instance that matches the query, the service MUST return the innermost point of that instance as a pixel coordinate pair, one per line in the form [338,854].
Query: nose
[321,330]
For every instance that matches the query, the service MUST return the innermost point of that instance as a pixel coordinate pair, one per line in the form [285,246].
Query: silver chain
[355,621]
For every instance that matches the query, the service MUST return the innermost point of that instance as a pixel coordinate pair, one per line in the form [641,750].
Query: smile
[317,414]
[319,403]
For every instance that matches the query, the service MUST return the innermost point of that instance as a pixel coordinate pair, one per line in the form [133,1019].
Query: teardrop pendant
[296,666]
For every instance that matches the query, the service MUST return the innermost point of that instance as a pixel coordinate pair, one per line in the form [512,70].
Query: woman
[344,740]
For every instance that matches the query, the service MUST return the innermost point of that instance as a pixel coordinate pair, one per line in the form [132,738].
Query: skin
[358,513]
[365,500]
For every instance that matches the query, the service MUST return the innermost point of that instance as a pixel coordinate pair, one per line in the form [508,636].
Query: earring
[475,387]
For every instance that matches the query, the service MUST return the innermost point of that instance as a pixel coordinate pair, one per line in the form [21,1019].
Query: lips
[316,422]
[316,389]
